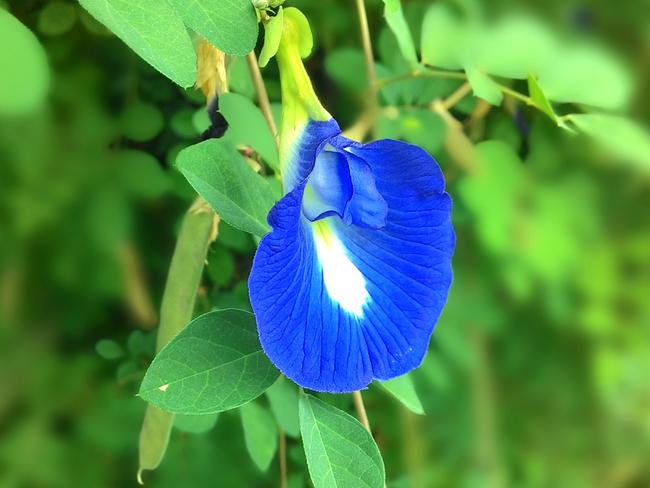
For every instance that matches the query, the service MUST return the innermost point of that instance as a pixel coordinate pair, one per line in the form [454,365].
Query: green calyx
[299,101]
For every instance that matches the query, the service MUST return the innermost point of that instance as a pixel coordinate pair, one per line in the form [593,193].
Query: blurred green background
[538,373]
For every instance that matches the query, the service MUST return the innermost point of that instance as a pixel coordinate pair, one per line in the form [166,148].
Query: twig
[457,96]
[262,95]
[361,409]
[367,51]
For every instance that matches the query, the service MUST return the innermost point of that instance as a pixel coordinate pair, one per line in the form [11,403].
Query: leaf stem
[262,95]
[361,409]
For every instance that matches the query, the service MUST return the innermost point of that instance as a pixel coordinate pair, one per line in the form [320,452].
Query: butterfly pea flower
[348,285]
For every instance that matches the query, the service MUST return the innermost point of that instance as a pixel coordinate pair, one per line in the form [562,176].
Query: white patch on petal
[344,282]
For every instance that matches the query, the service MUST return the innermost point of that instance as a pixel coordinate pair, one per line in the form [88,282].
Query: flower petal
[299,160]
[366,208]
[329,188]
[338,305]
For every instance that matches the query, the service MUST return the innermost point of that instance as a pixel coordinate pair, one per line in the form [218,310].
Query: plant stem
[361,409]
[262,95]
[457,96]
[422,73]
[367,51]
[283,459]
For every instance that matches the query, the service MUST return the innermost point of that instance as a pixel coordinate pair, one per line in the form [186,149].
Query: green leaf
[154,31]
[483,86]
[230,25]
[23,63]
[540,100]
[221,265]
[183,125]
[141,121]
[586,74]
[283,397]
[340,452]
[195,424]
[239,77]
[499,50]
[537,95]
[420,127]
[342,65]
[142,175]
[397,23]
[620,135]
[490,193]
[109,349]
[403,389]
[221,176]
[216,363]
[248,127]
[272,36]
[443,38]
[260,434]
[57,18]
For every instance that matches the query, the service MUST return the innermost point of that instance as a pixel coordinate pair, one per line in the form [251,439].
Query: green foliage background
[538,370]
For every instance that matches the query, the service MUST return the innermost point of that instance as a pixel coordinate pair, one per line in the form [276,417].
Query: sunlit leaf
[25,73]
[214,364]
[230,25]
[340,452]
[620,135]
[397,23]
[586,74]
[153,30]
[483,86]
[443,38]
[499,49]
[248,127]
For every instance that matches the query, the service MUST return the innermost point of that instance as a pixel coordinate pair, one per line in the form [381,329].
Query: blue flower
[349,284]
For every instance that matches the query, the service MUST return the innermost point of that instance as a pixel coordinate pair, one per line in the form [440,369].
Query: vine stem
[367,51]
[262,95]
[361,409]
